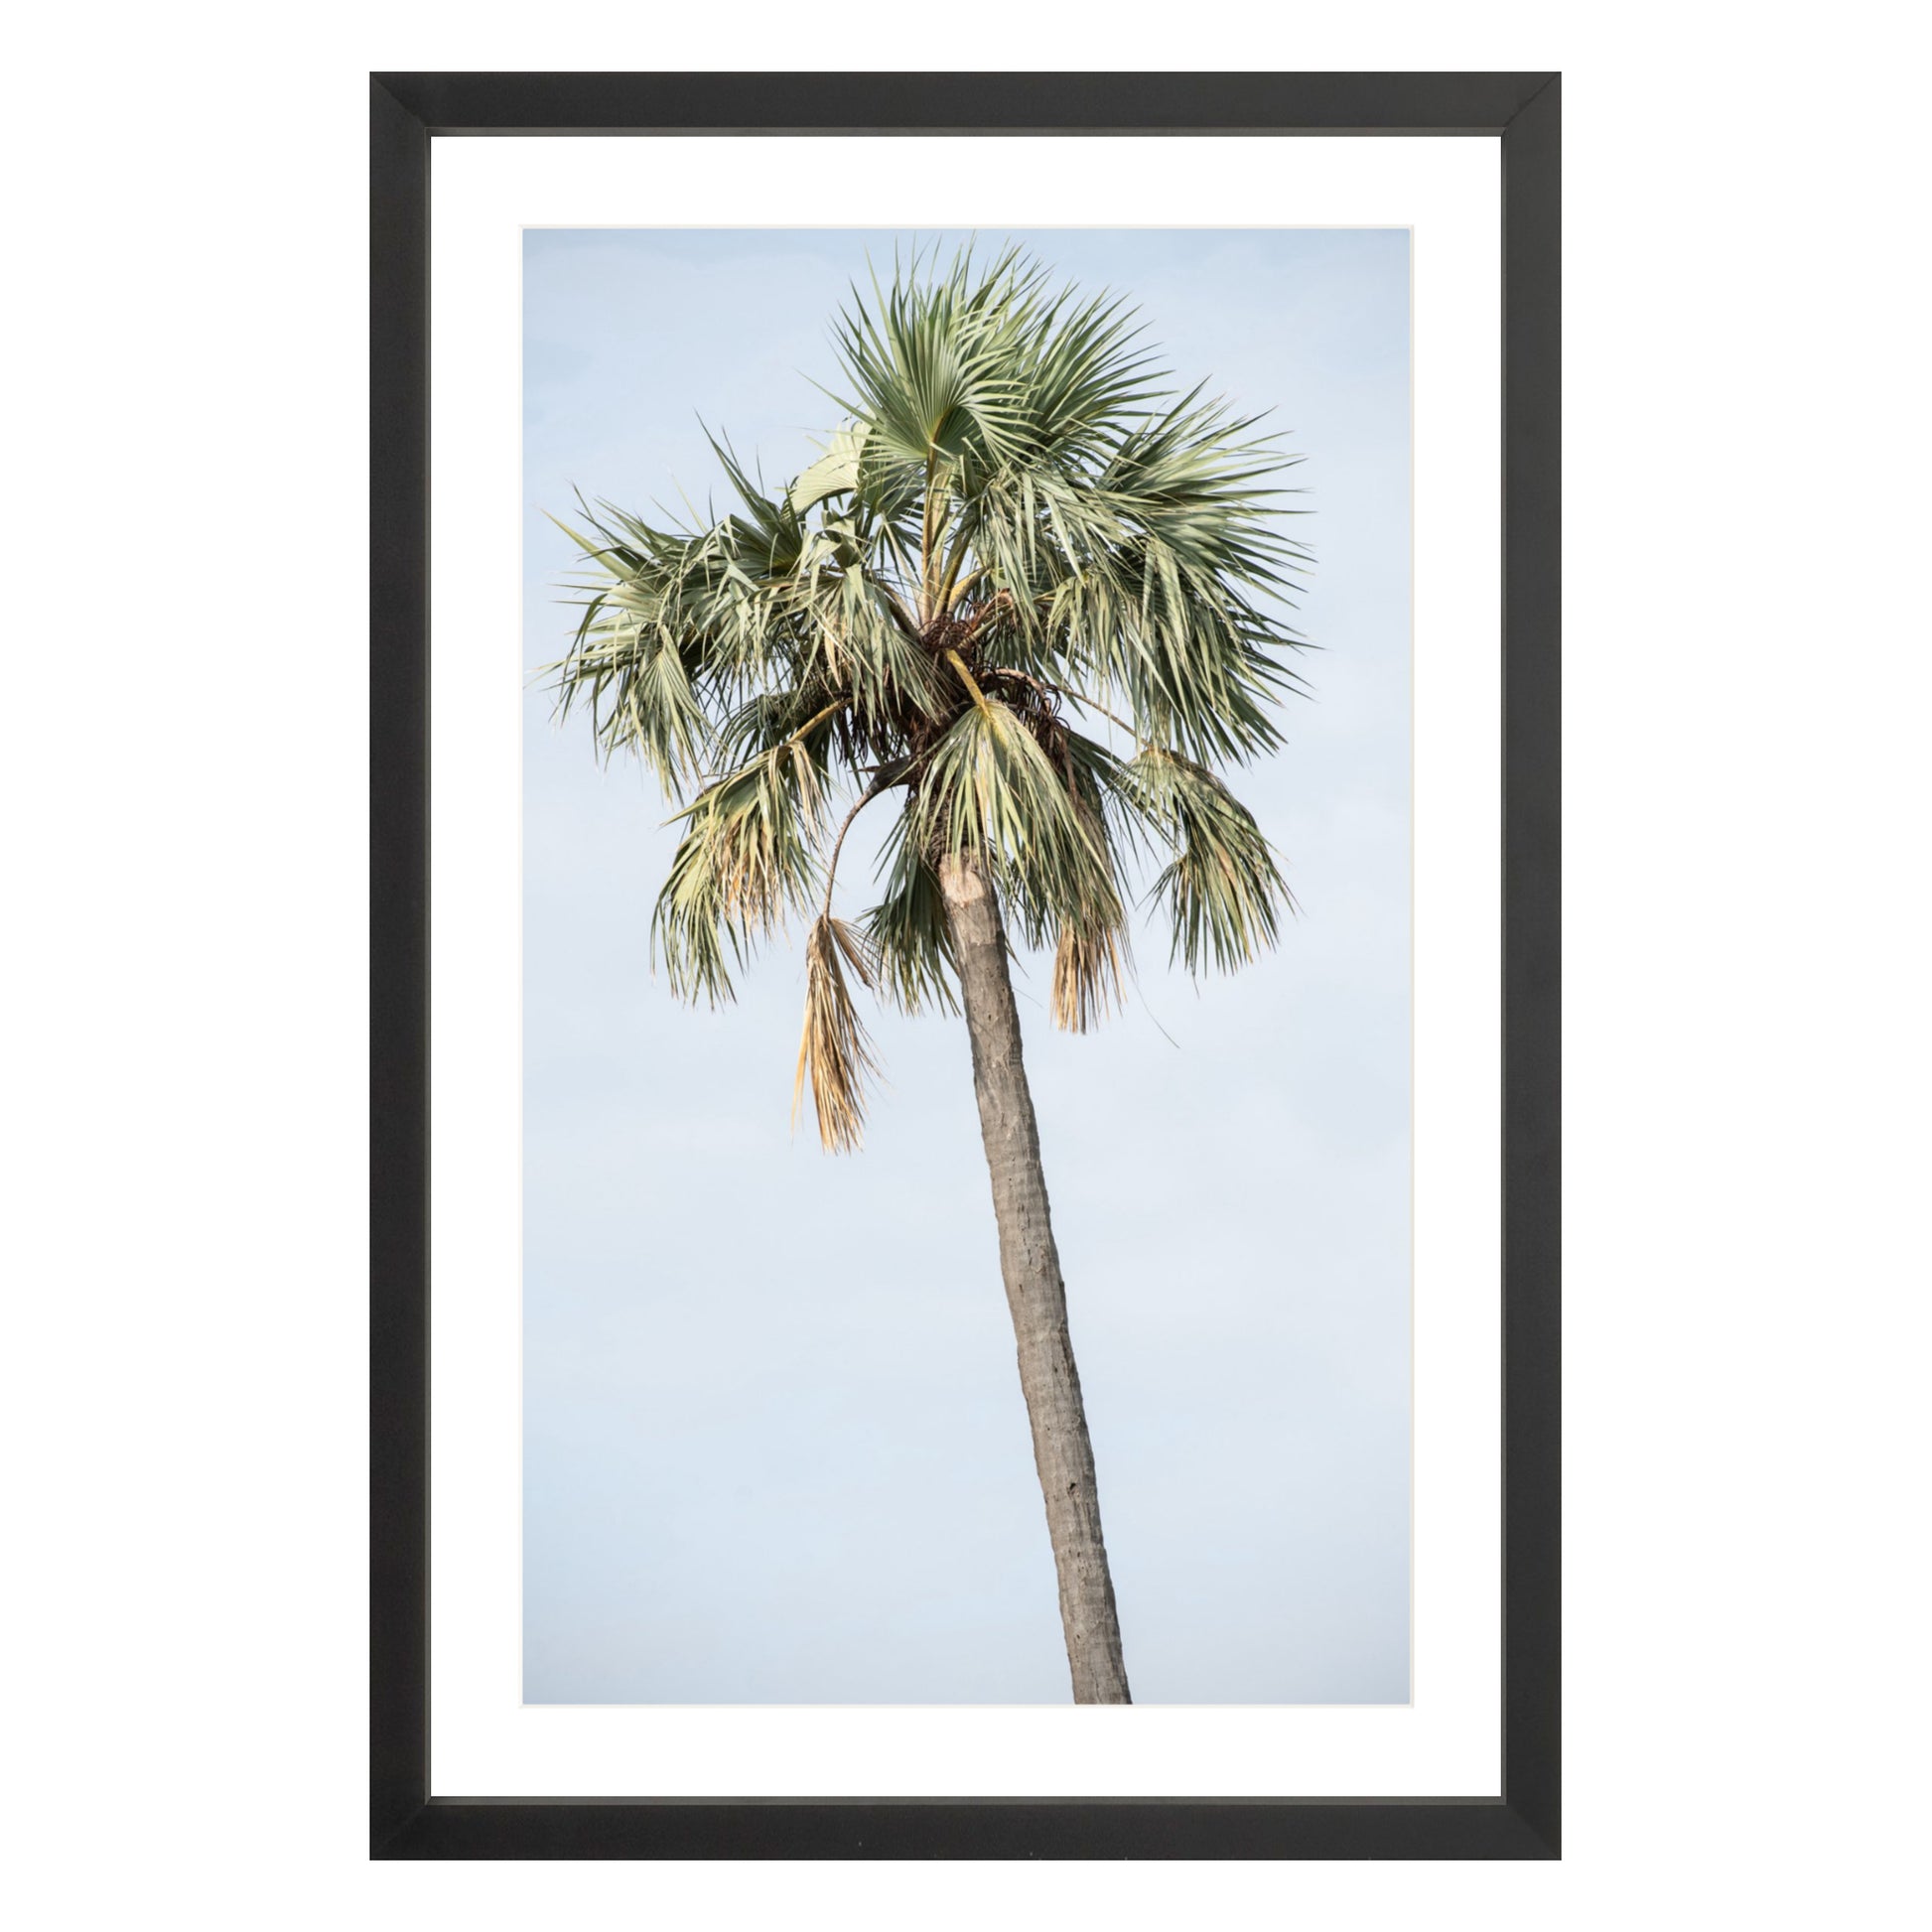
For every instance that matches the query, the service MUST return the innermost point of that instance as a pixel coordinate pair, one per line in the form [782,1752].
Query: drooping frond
[1166,552]
[834,1050]
[1223,891]
[677,622]
[992,790]
[910,941]
[744,863]
[1086,976]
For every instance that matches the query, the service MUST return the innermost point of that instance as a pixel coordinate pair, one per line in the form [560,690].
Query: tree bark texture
[1036,1292]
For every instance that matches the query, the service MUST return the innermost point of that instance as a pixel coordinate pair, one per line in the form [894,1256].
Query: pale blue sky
[774,1447]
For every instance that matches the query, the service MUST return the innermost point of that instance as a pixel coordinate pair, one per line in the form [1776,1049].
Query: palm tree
[1019,525]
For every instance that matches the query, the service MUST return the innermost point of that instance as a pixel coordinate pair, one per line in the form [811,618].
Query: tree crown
[1020,524]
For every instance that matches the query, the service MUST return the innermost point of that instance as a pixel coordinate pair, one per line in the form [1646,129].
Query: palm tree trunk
[1036,1294]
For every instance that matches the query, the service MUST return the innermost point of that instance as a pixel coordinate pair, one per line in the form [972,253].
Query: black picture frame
[408,113]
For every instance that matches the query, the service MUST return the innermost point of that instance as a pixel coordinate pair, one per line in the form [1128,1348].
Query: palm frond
[907,931]
[834,1049]
[674,624]
[1223,891]
[1086,976]
[744,861]
[989,788]
[928,363]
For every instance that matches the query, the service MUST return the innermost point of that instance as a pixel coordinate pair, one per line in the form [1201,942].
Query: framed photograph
[965,688]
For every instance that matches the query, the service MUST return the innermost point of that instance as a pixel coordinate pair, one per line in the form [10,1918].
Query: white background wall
[183,768]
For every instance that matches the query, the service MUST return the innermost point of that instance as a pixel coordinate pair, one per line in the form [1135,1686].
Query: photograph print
[967,967]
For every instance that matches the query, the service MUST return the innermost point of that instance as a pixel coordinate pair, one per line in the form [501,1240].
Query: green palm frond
[745,862]
[992,790]
[907,932]
[931,364]
[1222,888]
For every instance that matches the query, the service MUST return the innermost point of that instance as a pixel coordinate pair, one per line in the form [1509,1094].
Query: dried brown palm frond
[1086,976]
[834,1049]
